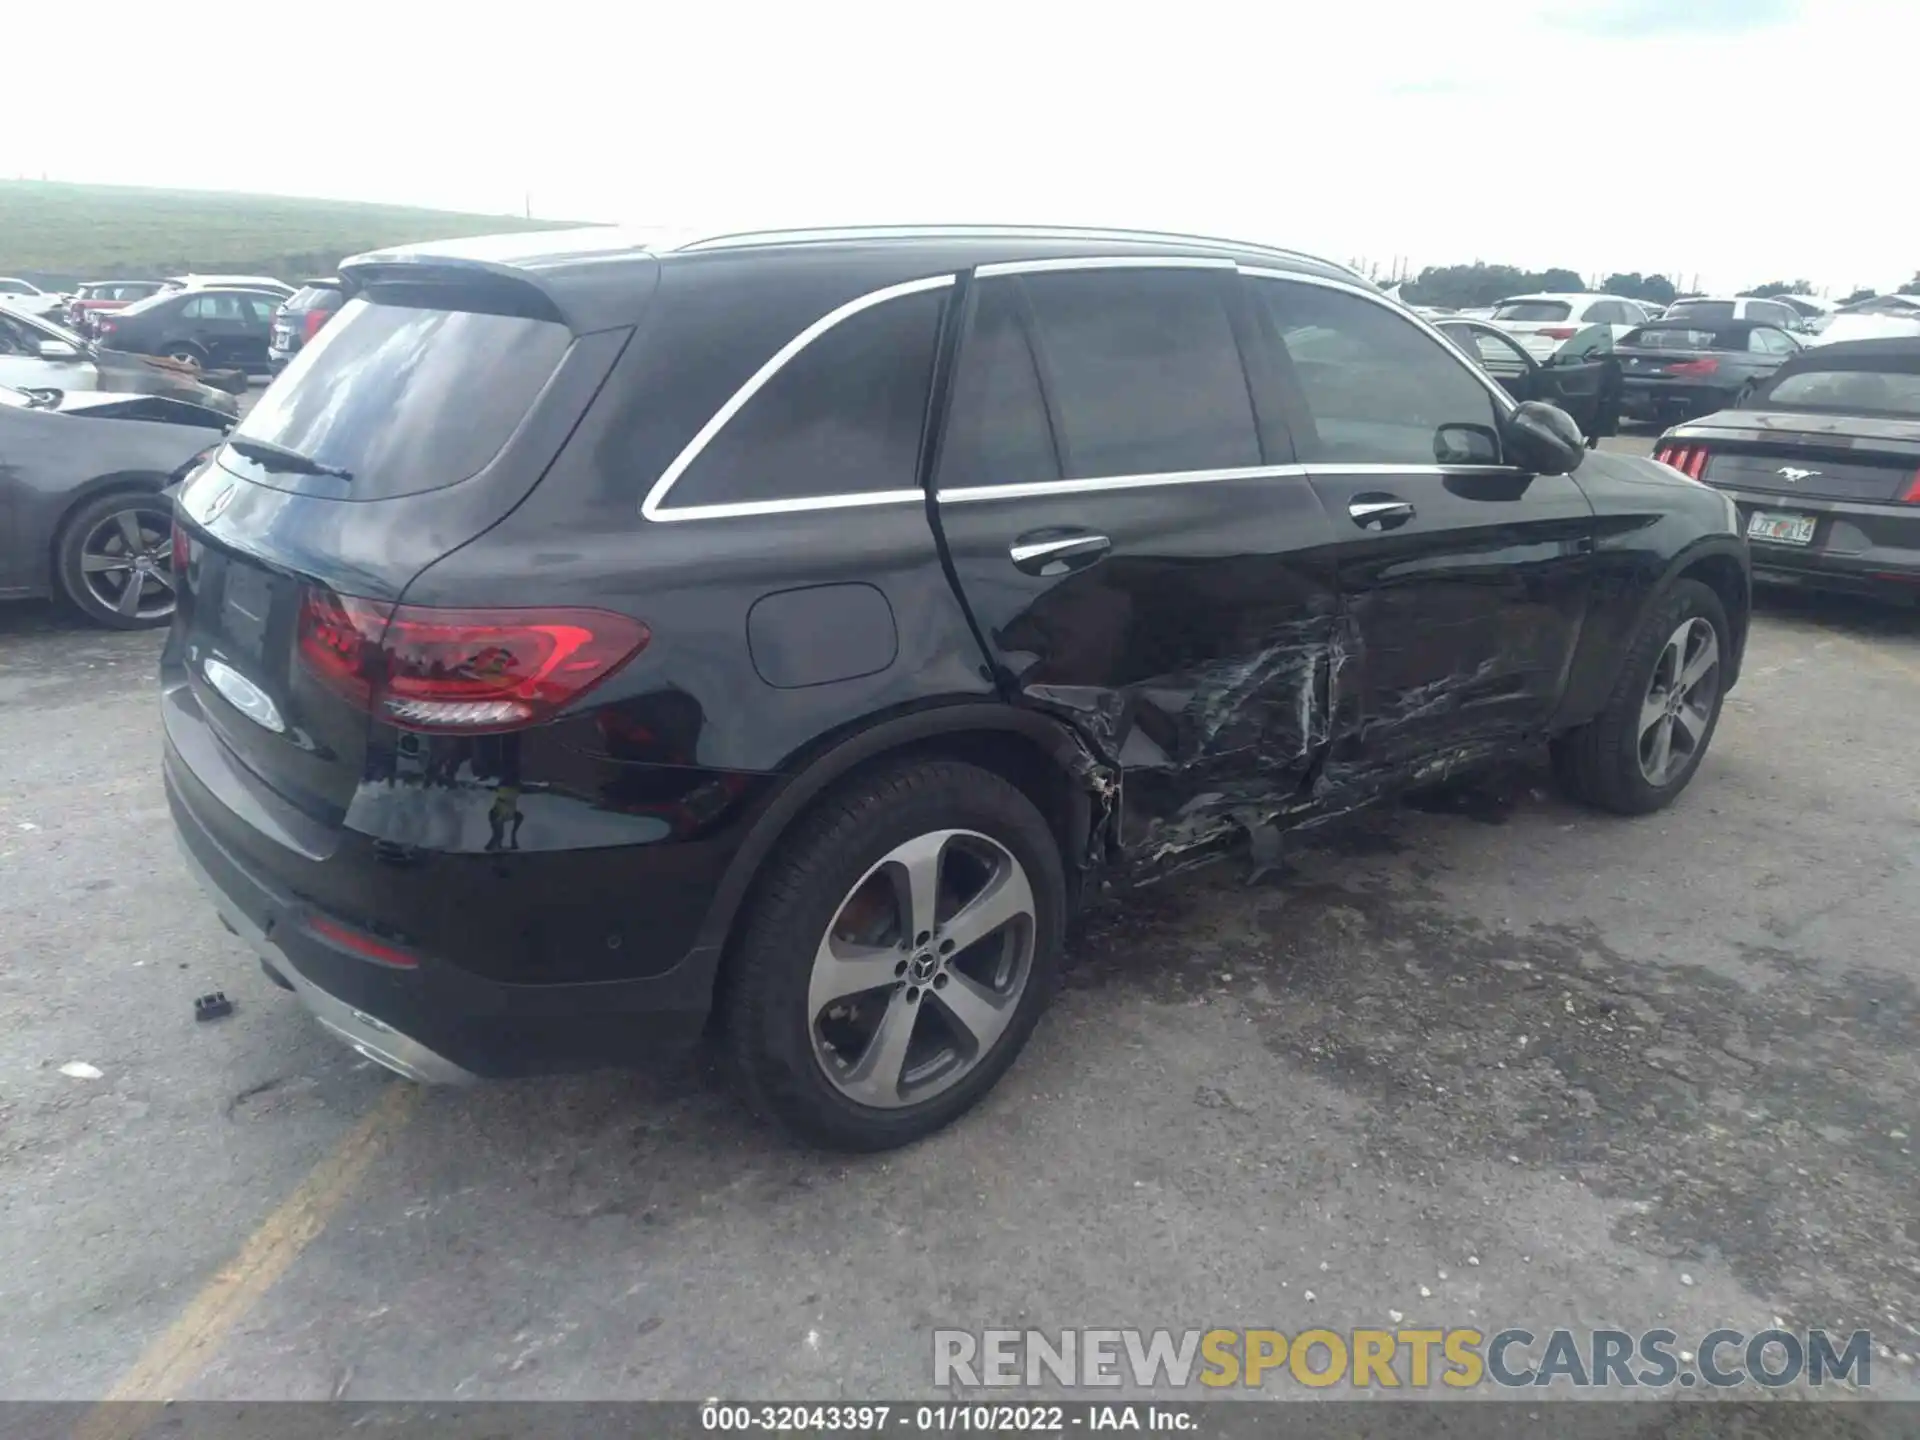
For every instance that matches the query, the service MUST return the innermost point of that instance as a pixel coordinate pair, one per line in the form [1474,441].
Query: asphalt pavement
[1493,1061]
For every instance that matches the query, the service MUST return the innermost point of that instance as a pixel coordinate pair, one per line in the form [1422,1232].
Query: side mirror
[1543,438]
[58,350]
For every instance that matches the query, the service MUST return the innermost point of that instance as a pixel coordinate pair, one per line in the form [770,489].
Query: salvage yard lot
[1599,1072]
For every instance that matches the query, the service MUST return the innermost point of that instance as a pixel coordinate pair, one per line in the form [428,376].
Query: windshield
[402,399]
[1532,310]
[1849,392]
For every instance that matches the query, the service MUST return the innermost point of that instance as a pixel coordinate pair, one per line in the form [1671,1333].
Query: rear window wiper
[281,457]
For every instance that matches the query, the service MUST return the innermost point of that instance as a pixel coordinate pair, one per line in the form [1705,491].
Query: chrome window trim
[653,506]
[1032,488]
[1503,402]
[1102,262]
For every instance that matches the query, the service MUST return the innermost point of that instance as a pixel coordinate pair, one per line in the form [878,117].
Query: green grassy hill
[56,234]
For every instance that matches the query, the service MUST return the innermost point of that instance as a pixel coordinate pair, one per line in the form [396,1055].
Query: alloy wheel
[126,562]
[921,969]
[1679,702]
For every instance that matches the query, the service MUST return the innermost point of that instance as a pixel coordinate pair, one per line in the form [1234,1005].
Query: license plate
[1781,529]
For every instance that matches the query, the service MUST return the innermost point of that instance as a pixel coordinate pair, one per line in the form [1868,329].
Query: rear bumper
[1858,547]
[437,1021]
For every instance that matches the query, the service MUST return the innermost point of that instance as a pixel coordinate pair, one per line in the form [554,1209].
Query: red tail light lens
[1707,365]
[182,552]
[358,942]
[1911,495]
[1559,332]
[1696,463]
[310,326]
[464,672]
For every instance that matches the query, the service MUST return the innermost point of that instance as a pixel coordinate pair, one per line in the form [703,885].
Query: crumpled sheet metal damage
[1165,738]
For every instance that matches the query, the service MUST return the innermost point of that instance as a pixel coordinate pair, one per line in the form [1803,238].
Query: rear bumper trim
[371,1037]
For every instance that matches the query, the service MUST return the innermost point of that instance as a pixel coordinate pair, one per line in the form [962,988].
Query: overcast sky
[1742,140]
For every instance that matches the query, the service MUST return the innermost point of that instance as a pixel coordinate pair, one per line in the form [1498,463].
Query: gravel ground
[1492,1061]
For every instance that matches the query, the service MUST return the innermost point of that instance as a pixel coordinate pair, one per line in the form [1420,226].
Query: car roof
[1567,295]
[591,276]
[1892,352]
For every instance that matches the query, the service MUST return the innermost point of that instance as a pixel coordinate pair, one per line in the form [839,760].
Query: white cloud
[1528,131]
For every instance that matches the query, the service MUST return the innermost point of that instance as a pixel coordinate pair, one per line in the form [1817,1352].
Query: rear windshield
[1672,337]
[1700,311]
[1849,392]
[316,297]
[403,399]
[1533,310]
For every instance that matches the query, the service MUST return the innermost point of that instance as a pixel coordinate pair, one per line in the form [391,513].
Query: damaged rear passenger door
[1137,551]
[1463,579]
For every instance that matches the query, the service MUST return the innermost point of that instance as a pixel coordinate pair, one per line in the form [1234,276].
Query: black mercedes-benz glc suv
[581,642]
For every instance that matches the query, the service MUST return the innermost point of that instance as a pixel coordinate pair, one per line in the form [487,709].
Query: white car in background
[1719,309]
[1543,323]
[27,298]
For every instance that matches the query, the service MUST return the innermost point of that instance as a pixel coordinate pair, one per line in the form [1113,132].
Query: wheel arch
[1042,757]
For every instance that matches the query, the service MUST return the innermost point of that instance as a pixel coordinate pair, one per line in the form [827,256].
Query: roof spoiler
[450,283]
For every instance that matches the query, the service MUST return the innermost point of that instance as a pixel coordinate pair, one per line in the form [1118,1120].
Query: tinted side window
[194,309]
[1143,371]
[997,429]
[1376,388]
[842,417]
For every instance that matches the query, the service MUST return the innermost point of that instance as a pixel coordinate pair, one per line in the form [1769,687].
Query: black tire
[1600,762]
[768,1033]
[186,352]
[70,560]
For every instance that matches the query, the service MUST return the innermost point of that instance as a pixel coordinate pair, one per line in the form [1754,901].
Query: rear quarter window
[843,416]
[404,399]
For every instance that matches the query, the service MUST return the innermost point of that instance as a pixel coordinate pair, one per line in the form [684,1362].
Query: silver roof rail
[745,238]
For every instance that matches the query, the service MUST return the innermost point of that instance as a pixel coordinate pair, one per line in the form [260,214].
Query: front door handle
[1054,552]
[1379,512]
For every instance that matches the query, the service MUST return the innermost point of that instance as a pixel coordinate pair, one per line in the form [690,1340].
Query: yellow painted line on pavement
[173,1360]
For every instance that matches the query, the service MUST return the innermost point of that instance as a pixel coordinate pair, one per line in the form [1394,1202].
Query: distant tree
[1460,286]
[1863,293]
[1779,287]
[1912,287]
[1656,289]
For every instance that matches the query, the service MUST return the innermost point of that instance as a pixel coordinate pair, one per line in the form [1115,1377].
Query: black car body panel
[1824,465]
[1675,369]
[57,454]
[797,463]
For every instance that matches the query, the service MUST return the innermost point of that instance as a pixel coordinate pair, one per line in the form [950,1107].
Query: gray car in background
[83,509]
[37,354]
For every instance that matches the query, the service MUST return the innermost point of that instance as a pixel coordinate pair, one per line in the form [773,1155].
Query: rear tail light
[310,325]
[182,551]
[1560,332]
[1707,365]
[1689,460]
[1911,495]
[465,672]
[358,942]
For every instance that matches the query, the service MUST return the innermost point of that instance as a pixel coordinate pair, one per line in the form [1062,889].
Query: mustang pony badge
[1796,476]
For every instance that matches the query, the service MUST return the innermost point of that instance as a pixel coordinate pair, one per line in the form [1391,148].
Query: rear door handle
[1377,512]
[1055,552]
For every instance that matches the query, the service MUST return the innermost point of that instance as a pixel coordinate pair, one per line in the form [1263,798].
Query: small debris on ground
[80,1070]
[212,1007]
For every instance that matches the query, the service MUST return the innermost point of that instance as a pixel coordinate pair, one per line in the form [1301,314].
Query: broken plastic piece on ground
[80,1070]
[212,1007]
